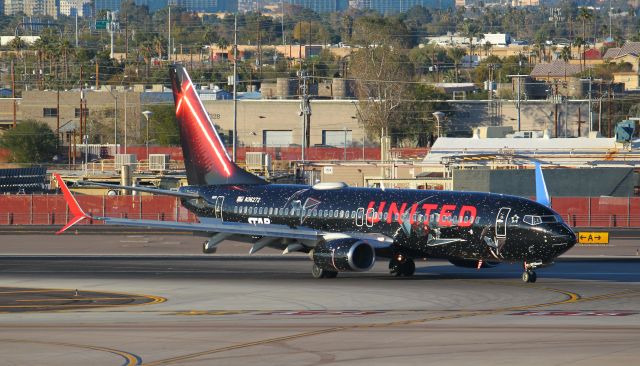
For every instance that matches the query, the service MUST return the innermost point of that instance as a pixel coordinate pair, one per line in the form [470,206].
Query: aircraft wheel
[529,276]
[318,272]
[408,267]
[395,267]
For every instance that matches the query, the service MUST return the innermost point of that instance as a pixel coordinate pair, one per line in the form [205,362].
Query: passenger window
[342,214]
[270,210]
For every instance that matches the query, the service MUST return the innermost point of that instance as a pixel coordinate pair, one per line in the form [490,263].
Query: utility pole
[76,28]
[111,31]
[13,93]
[284,39]
[556,101]
[518,95]
[169,38]
[590,104]
[305,111]
[609,111]
[126,38]
[580,121]
[235,86]
[58,117]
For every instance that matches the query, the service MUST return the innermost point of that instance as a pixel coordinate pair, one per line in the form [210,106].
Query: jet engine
[472,263]
[344,255]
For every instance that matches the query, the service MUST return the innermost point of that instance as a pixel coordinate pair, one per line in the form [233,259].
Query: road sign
[593,237]
[101,24]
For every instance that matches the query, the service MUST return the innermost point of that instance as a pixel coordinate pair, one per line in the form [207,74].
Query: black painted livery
[346,228]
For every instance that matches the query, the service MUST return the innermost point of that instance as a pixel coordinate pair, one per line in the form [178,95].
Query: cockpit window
[537,220]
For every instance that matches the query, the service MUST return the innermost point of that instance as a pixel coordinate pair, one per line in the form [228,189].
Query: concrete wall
[617,182]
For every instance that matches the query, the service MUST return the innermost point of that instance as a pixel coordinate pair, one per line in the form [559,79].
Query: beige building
[278,122]
[100,107]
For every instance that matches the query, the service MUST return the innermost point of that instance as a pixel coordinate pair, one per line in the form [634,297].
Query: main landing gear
[319,272]
[402,266]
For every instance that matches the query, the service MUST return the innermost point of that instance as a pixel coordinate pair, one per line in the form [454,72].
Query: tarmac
[148,298]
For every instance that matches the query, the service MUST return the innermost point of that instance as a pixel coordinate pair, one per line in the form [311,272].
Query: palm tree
[487,48]
[145,52]
[471,30]
[17,44]
[66,49]
[579,42]
[158,42]
[456,54]
[584,14]
[40,47]
[565,53]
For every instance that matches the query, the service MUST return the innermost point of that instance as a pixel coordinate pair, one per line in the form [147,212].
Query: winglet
[542,195]
[74,207]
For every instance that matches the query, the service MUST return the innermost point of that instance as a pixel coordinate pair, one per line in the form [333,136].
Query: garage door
[277,138]
[335,137]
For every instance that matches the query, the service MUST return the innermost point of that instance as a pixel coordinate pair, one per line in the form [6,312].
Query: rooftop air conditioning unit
[125,159]
[159,162]
[258,161]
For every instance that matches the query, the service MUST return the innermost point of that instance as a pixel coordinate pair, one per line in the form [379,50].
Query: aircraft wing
[159,191]
[219,226]
[440,242]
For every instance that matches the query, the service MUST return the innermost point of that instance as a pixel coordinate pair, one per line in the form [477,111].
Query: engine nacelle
[472,263]
[345,255]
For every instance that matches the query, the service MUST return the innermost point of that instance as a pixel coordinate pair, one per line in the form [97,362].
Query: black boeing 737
[346,228]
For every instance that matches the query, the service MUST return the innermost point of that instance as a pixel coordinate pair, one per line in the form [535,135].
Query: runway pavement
[158,302]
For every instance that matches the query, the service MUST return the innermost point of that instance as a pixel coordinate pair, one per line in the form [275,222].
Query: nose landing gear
[529,275]
[402,266]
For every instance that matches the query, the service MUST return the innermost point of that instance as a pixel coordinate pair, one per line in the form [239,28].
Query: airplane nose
[564,238]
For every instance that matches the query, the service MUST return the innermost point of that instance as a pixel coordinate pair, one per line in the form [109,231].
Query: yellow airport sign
[593,237]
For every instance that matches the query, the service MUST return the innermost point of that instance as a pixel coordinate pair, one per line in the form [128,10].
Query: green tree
[584,15]
[456,54]
[471,29]
[30,142]
[565,53]
[163,127]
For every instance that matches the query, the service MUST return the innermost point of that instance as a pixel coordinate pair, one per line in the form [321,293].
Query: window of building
[49,112]
[77,112]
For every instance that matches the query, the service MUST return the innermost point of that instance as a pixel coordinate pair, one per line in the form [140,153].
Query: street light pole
[146,115]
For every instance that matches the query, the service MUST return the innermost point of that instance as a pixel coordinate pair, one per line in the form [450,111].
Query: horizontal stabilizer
[164,192]
[74,207]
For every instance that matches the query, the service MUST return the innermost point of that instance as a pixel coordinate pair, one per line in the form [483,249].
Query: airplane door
[218,207]
[360,217]
[370,217]
[501,222]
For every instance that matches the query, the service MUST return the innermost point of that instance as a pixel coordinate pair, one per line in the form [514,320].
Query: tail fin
[205,156]
[542,194]
[74,207]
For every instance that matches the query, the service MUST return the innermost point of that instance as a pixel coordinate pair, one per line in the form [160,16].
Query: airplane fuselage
[429,224]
